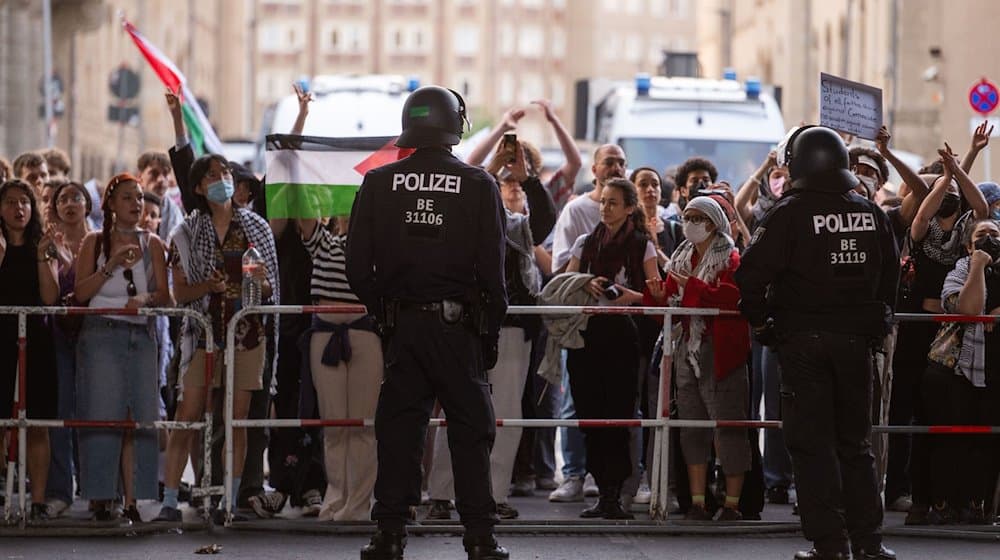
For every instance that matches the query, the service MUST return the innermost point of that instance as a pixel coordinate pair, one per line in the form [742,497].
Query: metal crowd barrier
[661,424]
[21,422]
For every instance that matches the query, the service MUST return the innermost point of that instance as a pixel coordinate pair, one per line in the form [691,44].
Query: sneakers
[590,489]
[440,510]
[571,490]
[107,511]
[729,514]
[778,495]
[902,503]
[697,512]
[643,495]
[312,502]
[267,504]
[523,488]
[56,507]
[384,546]
[814,554]
[547,483]
[169,515]
[505,511]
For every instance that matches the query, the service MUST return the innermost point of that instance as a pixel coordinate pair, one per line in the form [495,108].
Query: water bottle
[252,288]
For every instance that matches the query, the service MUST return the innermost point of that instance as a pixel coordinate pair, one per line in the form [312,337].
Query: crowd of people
[173,233]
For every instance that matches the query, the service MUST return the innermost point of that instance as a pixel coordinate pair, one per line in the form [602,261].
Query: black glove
[491,351]
[765,334]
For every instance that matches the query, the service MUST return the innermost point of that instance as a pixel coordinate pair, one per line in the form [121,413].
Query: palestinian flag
[317,177]
[202,135]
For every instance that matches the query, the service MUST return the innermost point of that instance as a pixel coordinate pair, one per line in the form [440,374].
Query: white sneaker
[643,494]
[571,490]
[312,502]
[590,489]
[902,503]
[57,507]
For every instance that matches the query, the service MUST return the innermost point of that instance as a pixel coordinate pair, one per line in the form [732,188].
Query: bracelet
[105,273]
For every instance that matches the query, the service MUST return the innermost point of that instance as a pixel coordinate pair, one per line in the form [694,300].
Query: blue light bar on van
[412,84]
[642,84]
[729,73]
[753,88]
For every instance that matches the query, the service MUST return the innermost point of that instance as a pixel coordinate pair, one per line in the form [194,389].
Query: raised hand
[510,118]
[173,103]
[304,98]
[981,137]
[546,106]
[882,140]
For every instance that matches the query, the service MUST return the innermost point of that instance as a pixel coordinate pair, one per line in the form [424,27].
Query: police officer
[426,253]
[817,283]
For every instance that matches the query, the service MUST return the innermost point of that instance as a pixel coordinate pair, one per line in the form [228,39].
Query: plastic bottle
[252,286]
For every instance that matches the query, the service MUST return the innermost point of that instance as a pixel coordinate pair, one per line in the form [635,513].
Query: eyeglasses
[696,220]
[130,287]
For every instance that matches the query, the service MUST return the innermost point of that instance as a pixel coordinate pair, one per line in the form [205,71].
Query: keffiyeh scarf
[711,264]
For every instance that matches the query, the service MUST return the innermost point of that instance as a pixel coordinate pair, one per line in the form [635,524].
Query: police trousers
[826,396]
[427,359]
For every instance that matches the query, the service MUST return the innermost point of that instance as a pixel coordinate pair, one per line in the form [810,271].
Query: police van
[660,122]
[343,106]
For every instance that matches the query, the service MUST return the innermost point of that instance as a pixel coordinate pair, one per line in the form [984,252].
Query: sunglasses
[130,287]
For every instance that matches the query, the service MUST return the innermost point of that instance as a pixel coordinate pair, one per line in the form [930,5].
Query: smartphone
[509,147]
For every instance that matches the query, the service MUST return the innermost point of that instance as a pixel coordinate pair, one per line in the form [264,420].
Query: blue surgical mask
[995,214]
[220,191]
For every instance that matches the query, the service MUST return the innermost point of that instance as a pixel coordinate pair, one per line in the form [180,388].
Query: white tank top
[114,291]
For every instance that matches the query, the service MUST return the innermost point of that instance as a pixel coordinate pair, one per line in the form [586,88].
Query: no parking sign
[984,97]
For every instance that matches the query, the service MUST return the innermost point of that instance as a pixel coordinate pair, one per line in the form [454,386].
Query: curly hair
[694,164]
[883,169]
[36,223]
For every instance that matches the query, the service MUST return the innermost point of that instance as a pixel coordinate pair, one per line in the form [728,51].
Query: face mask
[995,215]
[948,206]
[777,185]
[696,233]
[989,245]
[220,191]
[869,183]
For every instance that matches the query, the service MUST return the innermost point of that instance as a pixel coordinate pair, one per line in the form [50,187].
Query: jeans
[777,462]
[574,453]
[62,441]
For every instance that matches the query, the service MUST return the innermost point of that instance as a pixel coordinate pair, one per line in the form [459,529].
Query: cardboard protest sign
[850,107]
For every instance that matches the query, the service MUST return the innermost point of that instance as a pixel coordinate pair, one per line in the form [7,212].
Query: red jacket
[730,334]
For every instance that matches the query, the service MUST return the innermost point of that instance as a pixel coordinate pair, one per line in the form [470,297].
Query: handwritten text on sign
[849,106]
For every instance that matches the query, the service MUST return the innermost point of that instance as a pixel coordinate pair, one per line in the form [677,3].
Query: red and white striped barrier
[21,422]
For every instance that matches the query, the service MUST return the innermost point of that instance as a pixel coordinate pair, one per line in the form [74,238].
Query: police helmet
[432,116]
[817,154]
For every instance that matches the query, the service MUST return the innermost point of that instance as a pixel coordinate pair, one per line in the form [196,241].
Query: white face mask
[869,184]
[696,233]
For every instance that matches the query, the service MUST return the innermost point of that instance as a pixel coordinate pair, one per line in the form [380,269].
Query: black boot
[484,548]
[611,498]
[384,546]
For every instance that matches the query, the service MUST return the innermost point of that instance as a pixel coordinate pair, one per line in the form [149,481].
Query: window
[558,95]
[507,38]
[269,38]
[532,3]
[558,43]
[506,89]
[656,8]
[633,6]
[532,87]
[466,41]
[633,48]
[530,41]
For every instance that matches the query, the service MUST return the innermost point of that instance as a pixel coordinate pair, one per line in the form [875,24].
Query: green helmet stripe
[420,111]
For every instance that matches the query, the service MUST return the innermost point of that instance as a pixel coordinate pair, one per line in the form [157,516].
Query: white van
[661,122]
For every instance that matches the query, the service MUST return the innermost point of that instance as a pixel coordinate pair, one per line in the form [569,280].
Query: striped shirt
[329,279]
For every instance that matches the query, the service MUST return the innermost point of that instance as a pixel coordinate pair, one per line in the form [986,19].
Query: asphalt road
[271,545]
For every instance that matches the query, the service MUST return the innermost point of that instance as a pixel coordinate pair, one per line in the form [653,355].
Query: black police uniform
[823,266]
[428,230]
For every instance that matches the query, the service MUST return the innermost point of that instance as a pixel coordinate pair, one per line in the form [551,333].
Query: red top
[730,334]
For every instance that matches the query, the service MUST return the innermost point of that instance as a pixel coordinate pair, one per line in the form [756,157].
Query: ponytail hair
[630,195]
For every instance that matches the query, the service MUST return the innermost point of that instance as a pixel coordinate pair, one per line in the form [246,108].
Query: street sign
[984,97]
[124,83]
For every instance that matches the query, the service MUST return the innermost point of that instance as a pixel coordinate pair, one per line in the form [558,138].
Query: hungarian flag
[317,177]
[202,135]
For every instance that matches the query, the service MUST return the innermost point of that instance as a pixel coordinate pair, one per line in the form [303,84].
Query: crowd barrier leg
[658,508]
[22,414]
[230,359]
[206,477]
